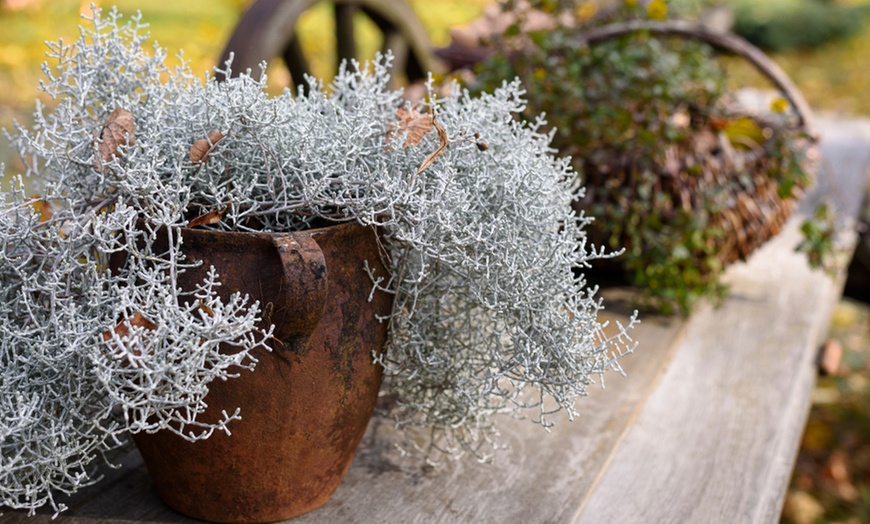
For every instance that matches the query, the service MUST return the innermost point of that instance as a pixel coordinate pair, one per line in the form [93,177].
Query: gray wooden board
[703,429]
[716,441]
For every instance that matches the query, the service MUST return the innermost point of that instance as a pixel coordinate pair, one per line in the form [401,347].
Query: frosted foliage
[489,314]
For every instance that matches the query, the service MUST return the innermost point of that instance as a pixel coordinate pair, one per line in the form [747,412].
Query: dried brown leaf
[412,122]
[212,217]
[200,149]
[122,329]
[205,309]
[444,142]
[43,207]
[119,130]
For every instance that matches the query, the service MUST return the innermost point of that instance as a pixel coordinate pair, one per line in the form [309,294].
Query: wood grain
[716,441]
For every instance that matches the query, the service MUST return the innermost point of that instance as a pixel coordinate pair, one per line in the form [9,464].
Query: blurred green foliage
[199,27]
[831,479]
[779,25]
[642,119]
[820,235]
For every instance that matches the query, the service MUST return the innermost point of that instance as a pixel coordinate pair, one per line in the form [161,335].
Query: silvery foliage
[489,315]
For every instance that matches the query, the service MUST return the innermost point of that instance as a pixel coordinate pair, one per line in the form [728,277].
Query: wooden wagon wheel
[268,30]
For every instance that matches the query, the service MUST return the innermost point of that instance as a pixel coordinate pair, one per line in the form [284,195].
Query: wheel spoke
[296,63]
[267,29]
[345,43]
[396,43]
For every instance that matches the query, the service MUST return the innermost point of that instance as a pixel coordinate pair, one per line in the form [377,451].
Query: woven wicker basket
[705,187]
[749,212]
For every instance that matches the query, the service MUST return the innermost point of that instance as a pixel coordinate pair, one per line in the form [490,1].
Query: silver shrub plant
[489,317]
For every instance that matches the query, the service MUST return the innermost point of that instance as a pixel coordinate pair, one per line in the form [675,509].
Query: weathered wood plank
[717,439]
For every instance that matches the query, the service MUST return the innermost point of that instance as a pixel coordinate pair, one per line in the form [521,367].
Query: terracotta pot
[306,405]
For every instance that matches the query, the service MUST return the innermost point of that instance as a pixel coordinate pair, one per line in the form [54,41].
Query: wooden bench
[704,428]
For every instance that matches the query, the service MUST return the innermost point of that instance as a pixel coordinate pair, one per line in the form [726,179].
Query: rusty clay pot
[306,405]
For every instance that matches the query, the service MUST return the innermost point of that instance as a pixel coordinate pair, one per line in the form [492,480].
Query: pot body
[306,405]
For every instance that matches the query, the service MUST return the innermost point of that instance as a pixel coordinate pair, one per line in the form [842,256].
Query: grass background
[199,27]
[834,78]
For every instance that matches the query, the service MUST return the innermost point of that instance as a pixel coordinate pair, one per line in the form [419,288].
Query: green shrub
[667,165]
[795,24]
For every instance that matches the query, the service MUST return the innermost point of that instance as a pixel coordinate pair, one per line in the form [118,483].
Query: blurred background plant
[782,25]
[831,480]
[675,169]
[200,27]
[819,43]
[832,75]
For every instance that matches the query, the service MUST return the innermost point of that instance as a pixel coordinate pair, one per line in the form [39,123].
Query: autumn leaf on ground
[212,217]
[412,122]
[200,149]
[118,131]
[681,119]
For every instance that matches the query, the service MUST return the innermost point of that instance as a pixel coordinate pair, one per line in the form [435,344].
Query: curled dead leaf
[122,329]
[119,130]
[205,309]
[212,217]
[412,122]
[200,149]
[43,207]
[443,141]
